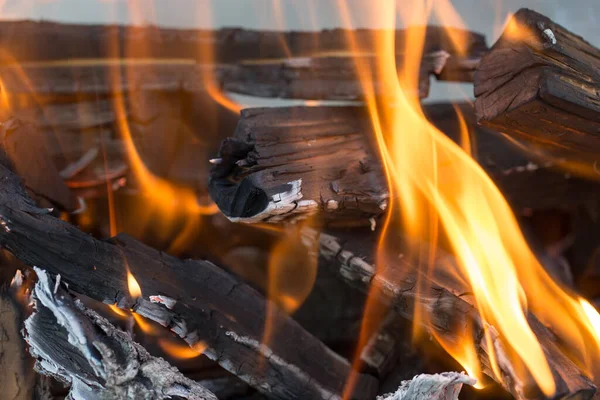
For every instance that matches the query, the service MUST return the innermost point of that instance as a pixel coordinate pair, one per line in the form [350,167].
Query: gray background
[485,16]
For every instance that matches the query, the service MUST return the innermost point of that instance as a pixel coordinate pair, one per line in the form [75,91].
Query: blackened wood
[77,346]
[41,41]
[320,78]
[28,153]
[195,299]
[539,83]
[286,163]
[452,313]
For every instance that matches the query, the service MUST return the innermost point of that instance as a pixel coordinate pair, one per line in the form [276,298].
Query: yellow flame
[144,325]
[117,310]
[181,350]
[135,290]
[433,181]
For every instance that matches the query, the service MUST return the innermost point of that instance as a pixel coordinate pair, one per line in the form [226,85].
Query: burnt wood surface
[77,346]
[287,163]
[195,299]
[539,83]
[452,312]
[42,41]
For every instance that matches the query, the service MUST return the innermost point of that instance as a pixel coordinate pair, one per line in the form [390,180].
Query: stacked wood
[195,299]
[288,163]
[539,83]
[43,41]
[452,313]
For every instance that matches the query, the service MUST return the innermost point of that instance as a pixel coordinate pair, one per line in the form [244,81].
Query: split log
[287,163]
[195,299]
[450,310]
[325,78]
[539,83]
[43,41]
[75,345]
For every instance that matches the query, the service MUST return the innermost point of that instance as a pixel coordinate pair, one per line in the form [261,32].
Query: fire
[438,190]
[182,351]
[292,271]
[135,290]
[118,311]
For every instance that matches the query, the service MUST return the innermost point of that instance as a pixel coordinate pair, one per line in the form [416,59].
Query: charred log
[449,309]
[82,349]
[539,83]
[195,299]
[287,163]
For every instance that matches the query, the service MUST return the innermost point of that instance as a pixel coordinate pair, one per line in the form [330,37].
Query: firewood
[444,386]
[195,299]
[79,347]
[351,254]
[287,163]
[539,83]
[43,41]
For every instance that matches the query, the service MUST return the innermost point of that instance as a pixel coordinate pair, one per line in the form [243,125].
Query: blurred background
[484,16]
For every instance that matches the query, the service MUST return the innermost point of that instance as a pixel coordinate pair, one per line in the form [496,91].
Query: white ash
[79,347]
[283,206]
[444,386]
[164,300]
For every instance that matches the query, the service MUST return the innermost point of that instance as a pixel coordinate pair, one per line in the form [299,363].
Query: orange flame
[118,311]
[182,351]
[433,181]
[292,273]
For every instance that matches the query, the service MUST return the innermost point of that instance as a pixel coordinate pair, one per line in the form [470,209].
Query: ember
[347,241]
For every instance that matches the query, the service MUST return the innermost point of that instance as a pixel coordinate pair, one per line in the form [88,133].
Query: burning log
[195,299]
[287,163]
[291,162]
[44,41]
[444,298]
[539,83]
[79,347]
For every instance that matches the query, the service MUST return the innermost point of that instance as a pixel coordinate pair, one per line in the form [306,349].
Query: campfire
[160,239]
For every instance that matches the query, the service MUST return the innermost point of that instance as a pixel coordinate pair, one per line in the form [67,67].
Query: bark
[539,84]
